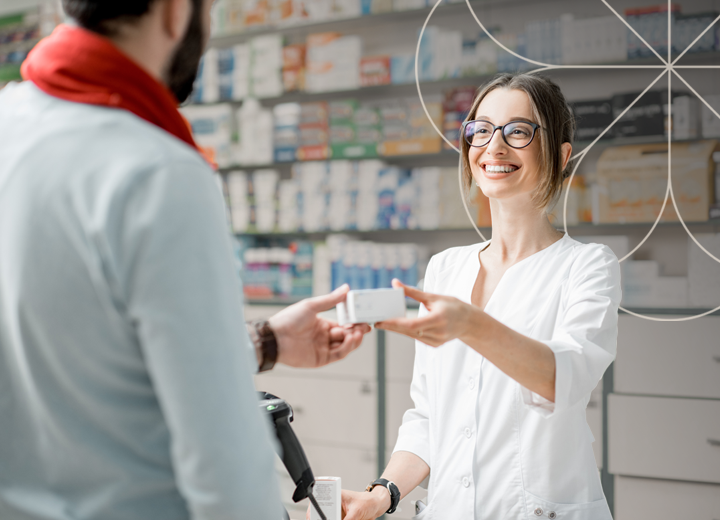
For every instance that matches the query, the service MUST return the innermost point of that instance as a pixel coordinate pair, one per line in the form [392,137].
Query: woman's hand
[362,506]
[448,318]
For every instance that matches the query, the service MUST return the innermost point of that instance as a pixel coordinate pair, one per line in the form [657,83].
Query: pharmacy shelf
[399,90]
[581,229]
[446,157]
[358,22]
[450,157]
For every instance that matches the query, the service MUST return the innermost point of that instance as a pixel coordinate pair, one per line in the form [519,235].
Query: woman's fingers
[412,292]
[407,325]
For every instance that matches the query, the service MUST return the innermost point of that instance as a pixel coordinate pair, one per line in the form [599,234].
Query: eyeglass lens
[517,134]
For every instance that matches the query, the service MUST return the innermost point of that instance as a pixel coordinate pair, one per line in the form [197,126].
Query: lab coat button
[538,511]
[468,433]
[466,482]
[472,383]
[552,515]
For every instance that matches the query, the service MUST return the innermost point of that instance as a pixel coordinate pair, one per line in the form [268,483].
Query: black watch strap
[264,338]
[392,488]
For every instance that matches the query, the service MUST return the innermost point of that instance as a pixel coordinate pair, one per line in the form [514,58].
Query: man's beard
[184,64]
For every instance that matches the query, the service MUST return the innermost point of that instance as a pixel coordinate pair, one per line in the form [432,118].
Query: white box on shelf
[686,117]
[704,271]
[711,122]
[371,305]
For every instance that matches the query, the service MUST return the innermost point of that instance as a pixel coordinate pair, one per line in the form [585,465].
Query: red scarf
[78,65]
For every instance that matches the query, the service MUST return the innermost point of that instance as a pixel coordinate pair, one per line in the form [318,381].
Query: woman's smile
[496,170]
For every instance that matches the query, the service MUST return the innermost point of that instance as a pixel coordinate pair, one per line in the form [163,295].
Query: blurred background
[333,173]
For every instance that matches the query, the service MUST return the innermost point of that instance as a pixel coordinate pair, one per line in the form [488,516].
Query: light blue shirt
[125,375]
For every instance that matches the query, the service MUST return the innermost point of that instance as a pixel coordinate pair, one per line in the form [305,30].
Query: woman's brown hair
[557,125]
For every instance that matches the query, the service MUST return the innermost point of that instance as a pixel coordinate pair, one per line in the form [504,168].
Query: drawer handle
[714,442]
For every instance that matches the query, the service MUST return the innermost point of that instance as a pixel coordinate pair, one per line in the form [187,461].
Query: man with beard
[125,364]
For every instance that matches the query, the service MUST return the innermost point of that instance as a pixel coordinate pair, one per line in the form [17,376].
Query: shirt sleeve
[414,433]
[585,337]
[184,301]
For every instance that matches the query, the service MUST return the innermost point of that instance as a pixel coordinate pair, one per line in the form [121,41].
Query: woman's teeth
[500,169]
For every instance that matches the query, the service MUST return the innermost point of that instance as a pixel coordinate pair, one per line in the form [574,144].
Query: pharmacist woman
[513,335]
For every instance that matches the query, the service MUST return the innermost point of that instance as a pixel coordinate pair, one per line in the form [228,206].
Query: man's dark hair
[102,16]
[106,16]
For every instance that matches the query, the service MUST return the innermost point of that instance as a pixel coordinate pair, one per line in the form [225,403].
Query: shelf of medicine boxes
[358,22]
[450,157]
[644,311]
[709,226]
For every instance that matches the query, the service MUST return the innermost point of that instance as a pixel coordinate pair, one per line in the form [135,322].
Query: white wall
[16,6]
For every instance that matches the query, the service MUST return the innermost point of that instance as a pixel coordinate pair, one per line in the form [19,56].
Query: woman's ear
[565,153]
[176,17]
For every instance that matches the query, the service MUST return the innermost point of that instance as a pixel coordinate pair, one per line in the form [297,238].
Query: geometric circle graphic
[668,67]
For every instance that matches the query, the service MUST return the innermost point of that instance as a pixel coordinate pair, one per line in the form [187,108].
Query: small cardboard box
[327,493]
[632,182]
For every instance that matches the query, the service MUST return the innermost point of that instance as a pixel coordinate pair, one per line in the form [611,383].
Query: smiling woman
[512,336]
[538,102]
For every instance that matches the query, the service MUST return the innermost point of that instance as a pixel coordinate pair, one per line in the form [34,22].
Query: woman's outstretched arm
[529,362]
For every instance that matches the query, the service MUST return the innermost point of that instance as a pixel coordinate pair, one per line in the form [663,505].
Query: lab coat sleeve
[414,433]
[184,300]
[585,337]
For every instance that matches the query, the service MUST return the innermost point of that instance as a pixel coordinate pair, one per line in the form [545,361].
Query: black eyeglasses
[516,134]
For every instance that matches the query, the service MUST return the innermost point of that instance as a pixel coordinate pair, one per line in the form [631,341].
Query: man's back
[125,388]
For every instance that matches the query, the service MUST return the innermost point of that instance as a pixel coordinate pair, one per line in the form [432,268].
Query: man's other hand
[305,340]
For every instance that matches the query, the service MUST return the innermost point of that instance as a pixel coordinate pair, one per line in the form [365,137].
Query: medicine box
[327,493]
[371,305]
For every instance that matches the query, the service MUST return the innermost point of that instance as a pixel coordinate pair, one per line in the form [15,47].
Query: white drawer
[399,356]
[397,403]
[668,358]
[647,499]
[337,413]
[664,438]
[594,419]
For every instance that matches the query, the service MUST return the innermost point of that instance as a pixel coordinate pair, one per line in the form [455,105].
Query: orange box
[375,70]
[410,146]
[313,153]
[294,56]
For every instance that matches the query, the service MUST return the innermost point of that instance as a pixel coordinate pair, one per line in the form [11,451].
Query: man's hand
[306,340]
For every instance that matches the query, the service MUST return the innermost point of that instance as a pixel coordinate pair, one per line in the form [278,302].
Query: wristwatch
[392,489]
[264,339]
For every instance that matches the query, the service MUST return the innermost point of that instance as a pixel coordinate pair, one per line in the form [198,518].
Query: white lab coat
[495,449]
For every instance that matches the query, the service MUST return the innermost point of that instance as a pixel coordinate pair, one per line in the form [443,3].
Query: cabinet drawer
[339,413]
[400,354]
[647,499]
[668,358]
[664,438]
[398,402]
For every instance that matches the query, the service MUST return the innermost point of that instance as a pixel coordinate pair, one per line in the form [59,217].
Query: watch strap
[392,489]
[264,338]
